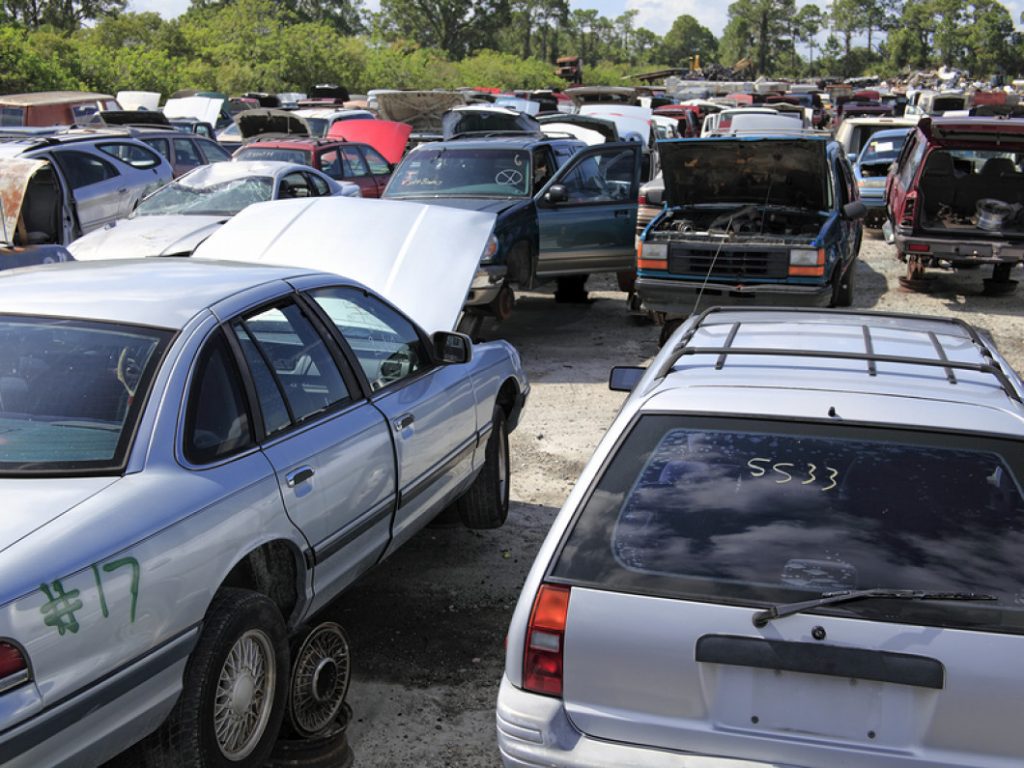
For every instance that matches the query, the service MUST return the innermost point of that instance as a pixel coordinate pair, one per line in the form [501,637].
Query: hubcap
[245,695]
[319,680]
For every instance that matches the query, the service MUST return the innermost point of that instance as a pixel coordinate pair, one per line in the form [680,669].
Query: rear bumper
[946,251]
[534,732]
[676,297]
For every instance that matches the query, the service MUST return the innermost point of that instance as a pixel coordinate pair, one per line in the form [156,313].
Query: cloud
[658,15]
[166,8]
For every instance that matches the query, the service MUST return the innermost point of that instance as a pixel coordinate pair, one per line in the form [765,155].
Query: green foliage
[25,66]
[686,38]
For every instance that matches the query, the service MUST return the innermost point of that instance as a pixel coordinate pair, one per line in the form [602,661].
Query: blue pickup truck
[760,221]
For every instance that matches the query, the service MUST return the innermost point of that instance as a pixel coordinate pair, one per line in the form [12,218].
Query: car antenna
[711,266]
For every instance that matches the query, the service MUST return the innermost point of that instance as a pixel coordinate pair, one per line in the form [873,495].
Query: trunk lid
[386,136]
[277,122]
[205,109]
[420,109]
[468,120]
[787,172]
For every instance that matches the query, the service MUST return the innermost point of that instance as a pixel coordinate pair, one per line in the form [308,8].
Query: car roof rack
[868,356]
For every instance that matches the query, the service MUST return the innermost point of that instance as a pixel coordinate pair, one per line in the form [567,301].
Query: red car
[341,160]
[955,198]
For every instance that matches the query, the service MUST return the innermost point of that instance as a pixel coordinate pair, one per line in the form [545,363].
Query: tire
[842,291]
[571,289]
[245,627]
[485,504]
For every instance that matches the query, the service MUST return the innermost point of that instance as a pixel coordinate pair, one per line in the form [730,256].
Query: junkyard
[476,384]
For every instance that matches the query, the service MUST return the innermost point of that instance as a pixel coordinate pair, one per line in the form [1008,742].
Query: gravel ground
[427,626]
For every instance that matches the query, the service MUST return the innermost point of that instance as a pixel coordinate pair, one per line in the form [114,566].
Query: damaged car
[769,221]
[955,199]
[198,457]
[35,214]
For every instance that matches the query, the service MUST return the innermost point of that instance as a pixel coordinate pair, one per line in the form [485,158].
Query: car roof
[310,143]
[51,97]
[525,141]
[850,365]
[164,292]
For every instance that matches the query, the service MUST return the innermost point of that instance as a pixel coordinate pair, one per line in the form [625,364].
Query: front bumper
[535,732]
[679,297]
[946,252]
[486,283]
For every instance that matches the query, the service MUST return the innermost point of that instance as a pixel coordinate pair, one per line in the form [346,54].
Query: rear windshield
[71,392]
[882,149]
[760,512]
[300,156]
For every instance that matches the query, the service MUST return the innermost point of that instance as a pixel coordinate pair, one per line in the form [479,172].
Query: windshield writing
[453,172]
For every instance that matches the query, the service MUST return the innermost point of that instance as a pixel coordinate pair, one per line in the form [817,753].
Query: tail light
[909,205]
[545,638]
[13,666]
[642,200]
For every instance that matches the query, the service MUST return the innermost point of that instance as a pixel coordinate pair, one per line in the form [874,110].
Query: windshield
[883,150]
[257,152]
[317,126]
[462,172]
[225,198]
[71,392]
[732,510]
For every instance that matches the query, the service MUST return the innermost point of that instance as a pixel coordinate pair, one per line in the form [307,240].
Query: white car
[178,217]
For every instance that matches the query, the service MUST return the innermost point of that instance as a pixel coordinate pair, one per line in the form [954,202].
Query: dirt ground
[427,627]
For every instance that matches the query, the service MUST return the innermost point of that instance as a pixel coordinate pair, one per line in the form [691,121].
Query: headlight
[654,251]
[799,257]
[490,250]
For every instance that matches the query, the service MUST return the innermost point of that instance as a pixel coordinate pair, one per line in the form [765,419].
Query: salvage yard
[427,627]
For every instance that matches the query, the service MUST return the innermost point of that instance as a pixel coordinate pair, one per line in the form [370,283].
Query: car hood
[788,172]
[581,127]
[404,251]
[386,136]
[202,108]
[420,109]
[259,122]
[146,236]
[31,503]
[15,175]
[139,100]
[631,122]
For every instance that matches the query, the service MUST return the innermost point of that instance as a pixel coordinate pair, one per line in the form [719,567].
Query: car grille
[729,262]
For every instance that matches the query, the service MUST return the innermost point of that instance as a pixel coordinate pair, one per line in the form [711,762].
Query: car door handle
[403,422]
[300,475]
[122,190]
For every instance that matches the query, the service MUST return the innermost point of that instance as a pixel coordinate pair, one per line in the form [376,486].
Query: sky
[655,15]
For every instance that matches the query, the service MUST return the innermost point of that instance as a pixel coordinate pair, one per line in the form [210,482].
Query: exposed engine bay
[764,223]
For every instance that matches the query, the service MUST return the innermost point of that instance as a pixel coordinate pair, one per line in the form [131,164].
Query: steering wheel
[509,176]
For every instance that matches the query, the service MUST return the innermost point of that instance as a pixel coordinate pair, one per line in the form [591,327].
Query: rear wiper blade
[761,618]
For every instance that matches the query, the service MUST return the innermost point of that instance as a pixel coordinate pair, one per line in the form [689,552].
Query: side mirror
[452,348]
[852,157]
[556,194]
[624,378]
[656,196]
[855,210]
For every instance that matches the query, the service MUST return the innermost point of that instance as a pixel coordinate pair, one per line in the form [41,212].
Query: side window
[213,151]
[216,420]
[378,165]
[912,161]
[295,185]
[12,116]
[330,163]
[185,154]
[134,155]
[355,161]
[543,168]
[386,344]
[318,185]
[843,182]
[293,367]
[161,146]
[601,177]
[82,169]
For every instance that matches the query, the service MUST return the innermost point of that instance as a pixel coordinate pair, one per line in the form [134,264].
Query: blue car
[872,166]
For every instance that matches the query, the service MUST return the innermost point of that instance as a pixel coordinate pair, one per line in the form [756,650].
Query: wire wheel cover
[245,695]
[319,679]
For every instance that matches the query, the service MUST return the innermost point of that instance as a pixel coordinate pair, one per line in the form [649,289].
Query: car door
[212,151]
[94,184]
[846,192]
[358,172]
[379,167]
[186,156]
[140,171]
[331,450]
[586,213]
[431,408]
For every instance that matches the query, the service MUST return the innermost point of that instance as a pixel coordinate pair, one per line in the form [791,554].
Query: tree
[67,15]
[807,24]
[687,37]
[847,19]
[456,27]
[759,29]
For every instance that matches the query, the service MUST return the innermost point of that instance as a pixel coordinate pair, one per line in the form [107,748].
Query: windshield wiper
[761,618]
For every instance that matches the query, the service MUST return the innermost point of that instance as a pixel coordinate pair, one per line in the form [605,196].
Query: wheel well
[507,396]
[272,570]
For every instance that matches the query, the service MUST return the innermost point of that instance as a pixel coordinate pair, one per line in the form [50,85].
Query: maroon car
[955,198]
[341,160]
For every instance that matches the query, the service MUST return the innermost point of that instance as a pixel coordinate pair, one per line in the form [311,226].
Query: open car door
[587,212]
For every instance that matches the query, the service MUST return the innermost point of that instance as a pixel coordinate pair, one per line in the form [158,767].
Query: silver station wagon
[801,543]
[195,457]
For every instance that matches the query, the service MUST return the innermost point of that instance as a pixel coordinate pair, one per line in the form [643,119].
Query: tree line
[278,45]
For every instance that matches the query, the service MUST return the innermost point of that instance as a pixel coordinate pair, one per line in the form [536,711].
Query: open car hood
[260,122]
[482,120]
[790,172]
[139,100]
[202,108]
[15,175]
[592,130]
[631,122]
[386,136]
[420,109]
[403,251]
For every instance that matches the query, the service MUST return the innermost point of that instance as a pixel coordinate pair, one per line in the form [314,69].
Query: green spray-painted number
[60,606]
[113,565]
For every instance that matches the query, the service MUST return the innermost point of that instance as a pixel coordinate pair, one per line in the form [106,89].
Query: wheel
[572,289]
[842,289]
[230,709]
[319,680]
[485,504]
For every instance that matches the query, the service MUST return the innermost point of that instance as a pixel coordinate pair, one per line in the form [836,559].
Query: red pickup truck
[955,199]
